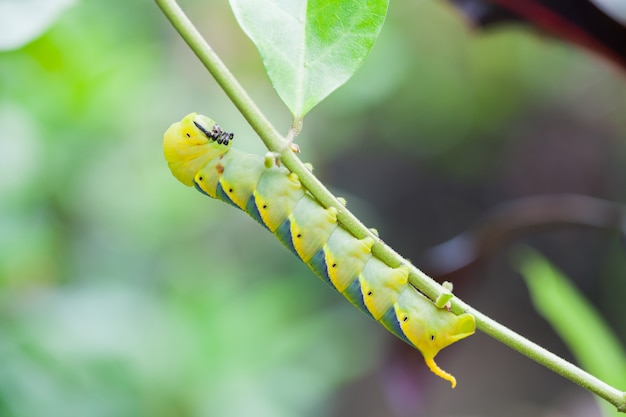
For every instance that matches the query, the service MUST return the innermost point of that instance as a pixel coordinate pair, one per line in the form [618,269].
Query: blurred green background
[122,293]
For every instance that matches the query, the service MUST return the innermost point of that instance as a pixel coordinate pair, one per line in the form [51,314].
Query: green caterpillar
[198,154]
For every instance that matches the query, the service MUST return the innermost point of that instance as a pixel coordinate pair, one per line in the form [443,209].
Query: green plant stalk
[275,142]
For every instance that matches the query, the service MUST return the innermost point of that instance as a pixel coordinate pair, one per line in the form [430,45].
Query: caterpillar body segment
[311,226]
[377,292]
[198,153]
[276,195]
[237,180]
[344,258]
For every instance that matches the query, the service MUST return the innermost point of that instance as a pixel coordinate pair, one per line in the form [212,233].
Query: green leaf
[25,20]
[310,48]
[576,321]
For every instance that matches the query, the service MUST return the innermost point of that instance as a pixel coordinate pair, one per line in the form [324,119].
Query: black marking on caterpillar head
[216,134]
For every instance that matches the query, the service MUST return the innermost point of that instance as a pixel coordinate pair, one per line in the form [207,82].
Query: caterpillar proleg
[199,154]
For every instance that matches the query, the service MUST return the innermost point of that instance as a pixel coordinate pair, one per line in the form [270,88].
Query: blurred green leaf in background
[23,21]
[594,345]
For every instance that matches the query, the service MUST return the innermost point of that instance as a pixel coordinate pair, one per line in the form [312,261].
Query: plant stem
[276,143]
[546,358]
[270,136]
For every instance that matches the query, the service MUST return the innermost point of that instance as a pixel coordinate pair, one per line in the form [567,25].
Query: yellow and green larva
[198,153]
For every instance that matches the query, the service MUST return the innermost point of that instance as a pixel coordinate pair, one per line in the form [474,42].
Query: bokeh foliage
[123,293]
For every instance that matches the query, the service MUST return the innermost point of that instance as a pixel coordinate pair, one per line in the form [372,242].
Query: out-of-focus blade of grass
[576,321]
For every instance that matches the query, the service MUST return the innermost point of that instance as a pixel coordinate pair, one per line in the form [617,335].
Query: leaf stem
[248,108]
[275,143]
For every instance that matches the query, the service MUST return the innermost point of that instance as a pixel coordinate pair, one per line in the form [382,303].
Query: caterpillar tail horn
[435,369]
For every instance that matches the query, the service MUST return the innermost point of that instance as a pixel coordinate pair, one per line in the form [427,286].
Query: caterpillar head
[189,144]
